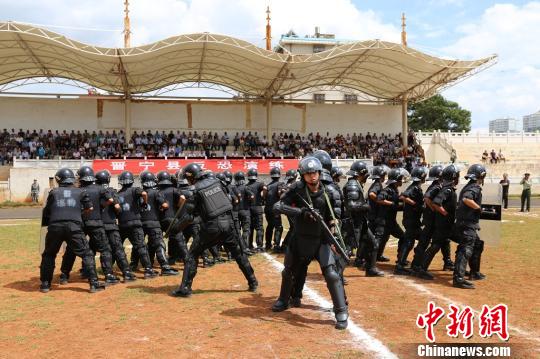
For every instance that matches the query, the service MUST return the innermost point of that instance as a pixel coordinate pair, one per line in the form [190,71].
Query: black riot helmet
[64,177]
[358,169]
[450,174]
[86,174]
[419,174]
[379,172]
[275,172]
[324,158]
[239,177]
[476,172]
[435,173]
[148,179]
[252,174]
[192,172]
[309,165]
[291,175]
[228,176]
[180,179]
[164,178]
[126,178]
[396,175]
[221,178]
[336,173]
[103,177]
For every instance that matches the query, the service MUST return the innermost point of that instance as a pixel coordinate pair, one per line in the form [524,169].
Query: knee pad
[286,273]
[331,274]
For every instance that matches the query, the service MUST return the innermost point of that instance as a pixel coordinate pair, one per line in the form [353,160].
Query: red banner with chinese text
[136,166]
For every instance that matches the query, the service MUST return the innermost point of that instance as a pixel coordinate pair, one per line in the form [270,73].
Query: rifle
[318,218]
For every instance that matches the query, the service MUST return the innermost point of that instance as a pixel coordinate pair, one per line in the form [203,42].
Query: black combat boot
[342,316]
[45,287]
[182,291]
[64,278]
[96,286]
[129,276]
[111,279]
[295,302]
[460,282]
[150,273]
[166,270]
[253,284]
[282,303]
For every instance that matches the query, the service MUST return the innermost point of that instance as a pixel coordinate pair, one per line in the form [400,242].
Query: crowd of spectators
[27,144]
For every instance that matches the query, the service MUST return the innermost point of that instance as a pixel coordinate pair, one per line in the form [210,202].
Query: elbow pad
[281,208]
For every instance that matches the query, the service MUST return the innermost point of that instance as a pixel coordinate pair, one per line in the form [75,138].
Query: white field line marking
[422,289]
[361,338]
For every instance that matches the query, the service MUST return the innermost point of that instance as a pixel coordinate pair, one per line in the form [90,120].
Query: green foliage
[437,113]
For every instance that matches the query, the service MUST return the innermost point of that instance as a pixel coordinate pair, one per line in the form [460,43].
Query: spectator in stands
[485,156]
[34,191]
[526,192]
[453,156]
[494,158]
[501,156]
[505,183]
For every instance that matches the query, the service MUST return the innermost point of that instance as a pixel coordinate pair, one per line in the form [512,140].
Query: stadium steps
[4,173]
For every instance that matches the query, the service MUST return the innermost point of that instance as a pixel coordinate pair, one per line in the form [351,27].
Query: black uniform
[444,225]
[428,220]
[309,242]
[62,215]
[412,216]
[93,228]
[358,209]
[177,243]
[244,216]
[470,246]
[150,213]
[290,219]
[129,221]
[108,216]
[273,222]
[212,205]
[385,221]
[256,214]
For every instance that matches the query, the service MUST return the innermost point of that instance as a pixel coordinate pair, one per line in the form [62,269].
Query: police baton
[175,218]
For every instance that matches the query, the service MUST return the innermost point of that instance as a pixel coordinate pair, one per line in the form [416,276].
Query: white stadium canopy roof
[383,70]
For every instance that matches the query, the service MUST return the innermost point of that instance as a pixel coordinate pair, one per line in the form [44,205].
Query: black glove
[306,213]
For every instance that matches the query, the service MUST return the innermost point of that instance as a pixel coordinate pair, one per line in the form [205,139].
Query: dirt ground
[223,319]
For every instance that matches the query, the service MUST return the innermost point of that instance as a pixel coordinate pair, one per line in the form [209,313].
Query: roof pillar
[268,30]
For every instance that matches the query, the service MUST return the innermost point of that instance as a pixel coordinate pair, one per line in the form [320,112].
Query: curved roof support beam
[123,76]
[203,55]
[32,55]
[402,95]
[276,83]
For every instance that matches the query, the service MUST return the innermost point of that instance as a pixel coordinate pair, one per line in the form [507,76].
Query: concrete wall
[86,113]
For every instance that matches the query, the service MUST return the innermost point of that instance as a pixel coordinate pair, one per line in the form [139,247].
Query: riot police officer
[388,204]
[468,212]
[177,244]
[358,208]
[256,209]
[129,219]
[310,242]
[150,222]
[210,202]
[412,198]
[93,228]
[378,175]
[62,215]
[109,218]
[445,213]
[274,227]
[290,179]
[246,198]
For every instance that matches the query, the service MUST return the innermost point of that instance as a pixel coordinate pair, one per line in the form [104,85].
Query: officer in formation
[210,202]
[309,240]
[63,216]
[274,227]
[256,210]
[246,198]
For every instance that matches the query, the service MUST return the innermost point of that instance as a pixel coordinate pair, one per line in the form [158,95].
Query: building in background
[312,44]
[531,123]
[505,125]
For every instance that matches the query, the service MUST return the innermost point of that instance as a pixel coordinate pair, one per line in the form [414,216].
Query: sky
[449,28]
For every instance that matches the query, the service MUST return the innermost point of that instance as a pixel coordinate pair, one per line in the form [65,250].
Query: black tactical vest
[412,214]
[66,204]
[376,187]
[151,212]
[465,213]
[256,187]
[108,214]
[129,201]
[93,218]
[170,194]
[273,195]
[245,201]
[213,200]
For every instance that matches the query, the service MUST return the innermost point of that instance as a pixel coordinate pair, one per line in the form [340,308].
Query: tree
[437,113]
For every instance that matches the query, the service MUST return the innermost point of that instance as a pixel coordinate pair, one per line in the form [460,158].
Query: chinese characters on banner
[172,165]
[491,321]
